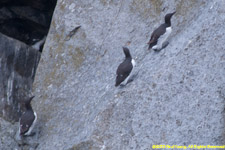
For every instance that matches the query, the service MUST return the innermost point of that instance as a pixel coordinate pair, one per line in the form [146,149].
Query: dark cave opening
[26,20]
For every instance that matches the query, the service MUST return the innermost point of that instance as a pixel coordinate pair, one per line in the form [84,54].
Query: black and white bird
[160,35]
[28,119]
[125,68]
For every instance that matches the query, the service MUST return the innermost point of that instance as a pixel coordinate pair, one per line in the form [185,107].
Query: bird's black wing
[26,121]
[123,71]
[156,34]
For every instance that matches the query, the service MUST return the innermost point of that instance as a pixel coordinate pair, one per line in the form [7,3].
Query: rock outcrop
[23,24]
[176,98]
[18,64]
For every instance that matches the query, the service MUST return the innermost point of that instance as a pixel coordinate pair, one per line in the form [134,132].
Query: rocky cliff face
[28,22]
[176,98]
[22,24]
[18,63]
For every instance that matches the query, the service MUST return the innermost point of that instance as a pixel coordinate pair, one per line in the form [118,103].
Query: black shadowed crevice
[26,20]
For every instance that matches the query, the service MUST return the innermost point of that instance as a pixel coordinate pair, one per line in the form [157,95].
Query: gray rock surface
[18,63]
[10,139]
[7,132]
[177,97]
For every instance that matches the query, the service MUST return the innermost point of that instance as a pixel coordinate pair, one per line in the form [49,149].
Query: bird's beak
[32,97]
[174,12]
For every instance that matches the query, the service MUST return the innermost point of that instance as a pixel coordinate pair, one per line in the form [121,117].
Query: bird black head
[168,17]
[126,52]
[27,102]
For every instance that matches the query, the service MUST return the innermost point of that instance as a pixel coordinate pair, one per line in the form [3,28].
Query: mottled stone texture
[18,65]
[177,97]
[7,132]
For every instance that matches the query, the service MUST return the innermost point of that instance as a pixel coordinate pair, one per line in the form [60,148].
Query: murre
[159,36]
[27,119]
[125,68]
